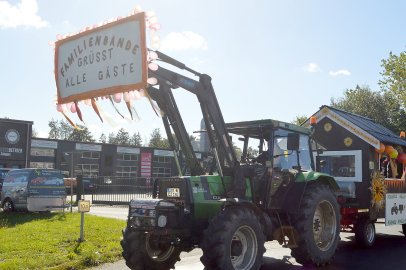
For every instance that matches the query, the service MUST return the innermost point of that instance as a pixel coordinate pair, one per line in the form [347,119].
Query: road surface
[388,253]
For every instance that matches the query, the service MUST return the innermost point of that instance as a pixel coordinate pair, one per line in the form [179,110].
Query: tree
[394,76]
[383,108]
[112,138]
[251,152]
[82,134]
[53,129]
[34,133]
[136,139]
[103,138]
[65,130]
[122,137]
[300,119]
[62,130]
[157,140]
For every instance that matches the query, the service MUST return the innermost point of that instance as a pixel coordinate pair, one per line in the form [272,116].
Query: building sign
[44,144]
[163,153]
[146,164]
[88,147]
[14,142]
[102,61]
[395,209]
[128,150]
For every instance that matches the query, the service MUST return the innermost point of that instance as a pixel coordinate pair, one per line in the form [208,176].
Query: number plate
[173,192]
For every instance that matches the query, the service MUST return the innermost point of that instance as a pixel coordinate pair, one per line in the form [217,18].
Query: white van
[33,190]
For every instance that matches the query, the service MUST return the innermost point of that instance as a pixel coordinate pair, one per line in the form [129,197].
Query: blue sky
[268,59]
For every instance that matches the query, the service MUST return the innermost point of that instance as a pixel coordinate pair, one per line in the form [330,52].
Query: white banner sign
[88,147]
[395,209]
[44,144]
[102,61]
[163,153]
[127,150]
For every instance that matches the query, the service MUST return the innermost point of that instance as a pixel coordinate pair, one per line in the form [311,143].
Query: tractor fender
[263,216]
[295,194]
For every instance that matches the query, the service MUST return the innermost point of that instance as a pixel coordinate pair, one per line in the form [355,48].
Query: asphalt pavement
[388,253]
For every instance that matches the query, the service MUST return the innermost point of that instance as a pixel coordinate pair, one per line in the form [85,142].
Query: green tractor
[230,207]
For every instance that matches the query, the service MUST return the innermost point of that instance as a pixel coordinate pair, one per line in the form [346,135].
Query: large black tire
[404,229]
[8,206]
[365,233]
[140,255]
[233,240]
[317,226]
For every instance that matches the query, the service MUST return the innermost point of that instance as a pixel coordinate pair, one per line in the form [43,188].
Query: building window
[126,171]
[42,152]
[91,155]
[127,157]
[42,165]
[87,170]
[161,159]
[161,172]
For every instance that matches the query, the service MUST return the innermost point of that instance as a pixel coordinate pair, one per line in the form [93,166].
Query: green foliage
[81,135]
[251,152]
[53,129]
[394,76]
[123,137]
[112,138]
[157,140]
[62,130]
[300,119]
[103,138]
[383,108]
[136,139]
[49,240]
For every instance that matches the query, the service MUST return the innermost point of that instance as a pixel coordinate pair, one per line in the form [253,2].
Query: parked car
[33,190]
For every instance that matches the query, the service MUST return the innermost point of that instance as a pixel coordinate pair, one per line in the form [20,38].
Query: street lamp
[71,162]
[71,177]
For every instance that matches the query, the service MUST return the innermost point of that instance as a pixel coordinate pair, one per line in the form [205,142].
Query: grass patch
[49,241]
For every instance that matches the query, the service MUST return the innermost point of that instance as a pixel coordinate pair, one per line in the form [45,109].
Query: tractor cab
[282,161]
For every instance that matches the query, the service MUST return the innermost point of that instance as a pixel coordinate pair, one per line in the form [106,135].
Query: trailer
[368,162]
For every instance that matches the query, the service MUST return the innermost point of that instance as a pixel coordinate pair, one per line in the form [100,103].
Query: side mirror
[293,141]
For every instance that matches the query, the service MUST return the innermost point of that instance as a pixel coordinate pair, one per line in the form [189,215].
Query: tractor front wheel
[141,253]
[233,240]
[318,226]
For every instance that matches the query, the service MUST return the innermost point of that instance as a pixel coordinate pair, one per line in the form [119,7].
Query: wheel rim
[243,248]
[324,225]
[7,207]
[158,255]
[370,233]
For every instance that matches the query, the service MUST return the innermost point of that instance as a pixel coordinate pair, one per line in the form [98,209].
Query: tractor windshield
[287,159]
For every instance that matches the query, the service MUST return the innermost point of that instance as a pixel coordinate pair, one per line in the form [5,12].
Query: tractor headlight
[162,220]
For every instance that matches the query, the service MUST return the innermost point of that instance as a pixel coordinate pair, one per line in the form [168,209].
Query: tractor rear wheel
[317,225]
[140,253]
[233,240]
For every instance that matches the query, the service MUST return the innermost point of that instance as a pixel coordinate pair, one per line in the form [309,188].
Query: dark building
[15,138]
[96,159]
[19,150]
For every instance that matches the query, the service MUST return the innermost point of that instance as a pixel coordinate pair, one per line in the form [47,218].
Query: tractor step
[284,231]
